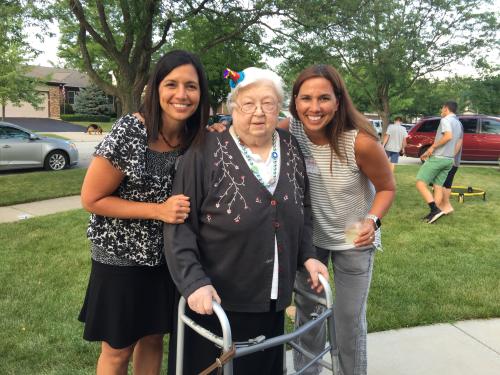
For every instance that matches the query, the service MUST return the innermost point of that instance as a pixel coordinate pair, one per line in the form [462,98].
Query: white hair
[257,75]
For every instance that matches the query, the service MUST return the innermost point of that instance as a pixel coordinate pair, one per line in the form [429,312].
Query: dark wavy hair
[347,117]
[151,109]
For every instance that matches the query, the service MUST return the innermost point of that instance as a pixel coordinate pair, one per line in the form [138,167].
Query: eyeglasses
[249,108]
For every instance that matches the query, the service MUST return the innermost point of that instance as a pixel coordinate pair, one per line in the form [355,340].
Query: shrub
[91,101]
[67,109]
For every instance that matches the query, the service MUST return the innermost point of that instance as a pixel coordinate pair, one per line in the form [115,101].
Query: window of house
[490,126]
[71,96]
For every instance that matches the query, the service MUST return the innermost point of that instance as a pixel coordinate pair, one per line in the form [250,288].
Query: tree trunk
[384,110]
[129,102]
[3,111]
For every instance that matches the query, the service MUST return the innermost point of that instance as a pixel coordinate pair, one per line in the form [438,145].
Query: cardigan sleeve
[181,244]
[306,249]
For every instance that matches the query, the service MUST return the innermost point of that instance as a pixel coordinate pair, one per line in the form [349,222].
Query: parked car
[408,127]
[20,148]
[219,118]
[481,137]
[377,125]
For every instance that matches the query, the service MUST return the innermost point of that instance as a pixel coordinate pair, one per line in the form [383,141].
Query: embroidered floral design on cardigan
[229,169]
[294,161]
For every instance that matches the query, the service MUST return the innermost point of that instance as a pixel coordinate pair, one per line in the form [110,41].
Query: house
[59,85]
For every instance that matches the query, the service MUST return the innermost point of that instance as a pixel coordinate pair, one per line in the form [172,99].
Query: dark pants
[200,353]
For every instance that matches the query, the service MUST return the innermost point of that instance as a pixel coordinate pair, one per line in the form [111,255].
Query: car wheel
[56,161]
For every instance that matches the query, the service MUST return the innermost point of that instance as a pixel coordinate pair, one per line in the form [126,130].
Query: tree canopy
[15,86]
[126,36]
[385,46]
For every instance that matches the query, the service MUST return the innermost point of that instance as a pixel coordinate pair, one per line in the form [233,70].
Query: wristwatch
[375,219]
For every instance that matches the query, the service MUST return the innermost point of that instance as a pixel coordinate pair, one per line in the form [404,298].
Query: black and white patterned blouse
[148,178]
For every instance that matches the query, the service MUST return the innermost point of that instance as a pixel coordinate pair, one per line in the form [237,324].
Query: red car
[481,137]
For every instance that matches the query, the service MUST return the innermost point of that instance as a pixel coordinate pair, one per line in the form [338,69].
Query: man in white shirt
[395,141]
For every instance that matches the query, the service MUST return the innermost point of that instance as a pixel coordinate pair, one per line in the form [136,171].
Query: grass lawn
[443,272]
[106,126]
[438,272]
[35,186]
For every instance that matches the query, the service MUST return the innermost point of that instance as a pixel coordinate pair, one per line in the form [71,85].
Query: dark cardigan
[228,239]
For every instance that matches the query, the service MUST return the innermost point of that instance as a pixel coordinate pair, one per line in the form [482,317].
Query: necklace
[167,142]
[254,168]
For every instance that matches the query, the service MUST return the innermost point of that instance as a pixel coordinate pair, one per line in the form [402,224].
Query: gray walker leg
[225,342]
[258,344]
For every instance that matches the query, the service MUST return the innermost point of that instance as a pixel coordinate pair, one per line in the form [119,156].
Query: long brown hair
[347,117]
[151,110]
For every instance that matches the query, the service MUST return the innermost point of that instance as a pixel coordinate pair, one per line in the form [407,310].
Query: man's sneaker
[434,215]
[427,217]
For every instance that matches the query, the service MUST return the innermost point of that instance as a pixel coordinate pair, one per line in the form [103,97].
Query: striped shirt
[340,195]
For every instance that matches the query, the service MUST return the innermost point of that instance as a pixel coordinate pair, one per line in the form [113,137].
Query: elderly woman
[249,227]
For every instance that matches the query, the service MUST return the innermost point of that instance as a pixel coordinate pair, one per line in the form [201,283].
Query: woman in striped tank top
[352,187]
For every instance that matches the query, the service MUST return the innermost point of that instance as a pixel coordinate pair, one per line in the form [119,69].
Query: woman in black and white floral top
[130,298]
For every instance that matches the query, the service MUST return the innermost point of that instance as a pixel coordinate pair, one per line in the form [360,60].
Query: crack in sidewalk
[475,339]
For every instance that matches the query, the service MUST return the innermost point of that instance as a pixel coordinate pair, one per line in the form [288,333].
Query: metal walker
[261,343]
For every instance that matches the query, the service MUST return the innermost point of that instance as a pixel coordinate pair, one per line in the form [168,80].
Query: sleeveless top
[340,192]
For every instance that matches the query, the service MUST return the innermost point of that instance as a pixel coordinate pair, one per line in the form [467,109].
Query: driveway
[45,124]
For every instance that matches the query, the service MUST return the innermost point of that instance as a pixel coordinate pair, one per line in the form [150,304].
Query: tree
[387,45]
[92,101]
[123,36]
[15,85]
[236,53]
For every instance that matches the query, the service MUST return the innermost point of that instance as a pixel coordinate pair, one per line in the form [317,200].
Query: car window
[470,124]
[12,133]
[490,126]
[429,126]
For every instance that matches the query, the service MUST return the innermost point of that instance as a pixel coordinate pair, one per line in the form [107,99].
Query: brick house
[59,85]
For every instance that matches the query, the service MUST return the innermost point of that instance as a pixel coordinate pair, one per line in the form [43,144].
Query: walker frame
[261,343]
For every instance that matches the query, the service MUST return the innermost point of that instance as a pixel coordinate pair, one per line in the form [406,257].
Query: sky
[48,56]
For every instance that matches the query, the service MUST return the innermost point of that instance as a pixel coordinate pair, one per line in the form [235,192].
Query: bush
[92,101]
[67,109]
[82,117]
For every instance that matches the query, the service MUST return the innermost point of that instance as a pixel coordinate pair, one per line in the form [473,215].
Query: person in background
[395,141]
[352,188]
[130,299]
[249,227]
[439,159]
[444,203]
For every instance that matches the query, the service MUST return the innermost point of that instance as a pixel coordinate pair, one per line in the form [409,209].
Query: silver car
[21,148]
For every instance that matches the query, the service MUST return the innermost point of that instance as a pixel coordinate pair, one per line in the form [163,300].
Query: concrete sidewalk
[463,348]
[27,210]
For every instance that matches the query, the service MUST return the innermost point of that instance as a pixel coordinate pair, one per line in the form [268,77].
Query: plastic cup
[352,231]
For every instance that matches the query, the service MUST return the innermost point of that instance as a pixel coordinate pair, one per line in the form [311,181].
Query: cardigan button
[276,224]
[273,202]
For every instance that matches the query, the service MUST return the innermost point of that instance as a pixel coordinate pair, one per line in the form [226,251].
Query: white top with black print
[133,241]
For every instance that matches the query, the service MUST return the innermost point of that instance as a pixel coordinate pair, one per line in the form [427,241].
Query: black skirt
[126,303]
[200,353]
